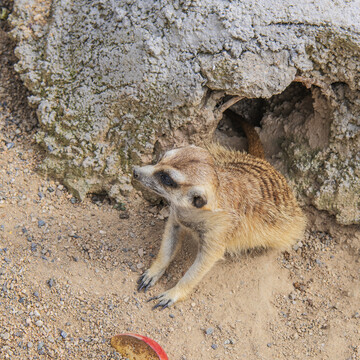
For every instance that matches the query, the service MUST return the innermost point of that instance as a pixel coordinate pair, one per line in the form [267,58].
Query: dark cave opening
[295,98]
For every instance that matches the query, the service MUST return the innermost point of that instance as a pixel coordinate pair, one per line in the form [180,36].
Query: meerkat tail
[255,147]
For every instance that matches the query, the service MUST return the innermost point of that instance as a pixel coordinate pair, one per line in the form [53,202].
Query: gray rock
[114,88]
[41,223]
[51,282]
[5,336]
[209,331]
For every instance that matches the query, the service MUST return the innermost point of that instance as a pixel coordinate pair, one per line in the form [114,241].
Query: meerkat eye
[167,180]
[199,201]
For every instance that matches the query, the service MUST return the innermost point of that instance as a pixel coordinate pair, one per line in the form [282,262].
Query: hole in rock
[100,198]
[296,112]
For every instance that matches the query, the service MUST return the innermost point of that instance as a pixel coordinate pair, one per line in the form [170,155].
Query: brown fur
[230,201]
[255,147]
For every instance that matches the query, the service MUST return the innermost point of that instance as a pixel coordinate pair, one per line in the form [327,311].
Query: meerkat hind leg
[205,259]
[169,246]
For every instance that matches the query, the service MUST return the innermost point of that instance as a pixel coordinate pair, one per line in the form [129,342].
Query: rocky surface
[116,84]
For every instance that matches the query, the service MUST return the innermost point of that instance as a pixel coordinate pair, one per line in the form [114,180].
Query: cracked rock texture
[116,83]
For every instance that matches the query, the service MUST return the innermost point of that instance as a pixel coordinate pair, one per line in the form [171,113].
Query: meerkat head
[186,177]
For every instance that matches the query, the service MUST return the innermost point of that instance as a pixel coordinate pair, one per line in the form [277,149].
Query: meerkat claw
[163,303]
[166,305]
[146,288]
[144,283]
[156,306]
[152,298]
[141,285]
[140,279]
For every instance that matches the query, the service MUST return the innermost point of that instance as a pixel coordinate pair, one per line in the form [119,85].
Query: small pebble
[63,334]
[120,206]
[5,336]
[124,215]
[41,223]
[39,323]
[209,331]
[214,346]
[50,283]
[292,296]
[30,345]
[51,339]
[10,145]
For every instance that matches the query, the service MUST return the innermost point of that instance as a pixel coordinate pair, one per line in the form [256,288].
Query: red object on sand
[138,347]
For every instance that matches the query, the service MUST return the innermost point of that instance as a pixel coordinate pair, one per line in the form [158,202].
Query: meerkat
[229,200]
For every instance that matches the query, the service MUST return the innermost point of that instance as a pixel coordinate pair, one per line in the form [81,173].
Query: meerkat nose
[135,172]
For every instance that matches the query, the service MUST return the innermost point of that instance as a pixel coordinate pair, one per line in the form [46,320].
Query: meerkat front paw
[148,279]
[168,298]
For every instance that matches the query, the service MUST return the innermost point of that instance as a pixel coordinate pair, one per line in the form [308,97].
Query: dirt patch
[68,273]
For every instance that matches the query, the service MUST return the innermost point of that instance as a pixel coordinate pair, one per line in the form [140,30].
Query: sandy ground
[68,273]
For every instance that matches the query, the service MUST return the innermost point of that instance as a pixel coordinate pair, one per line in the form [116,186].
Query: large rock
[115,83]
